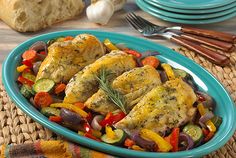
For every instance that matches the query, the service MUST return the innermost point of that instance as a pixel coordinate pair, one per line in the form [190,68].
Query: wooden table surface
[9,38]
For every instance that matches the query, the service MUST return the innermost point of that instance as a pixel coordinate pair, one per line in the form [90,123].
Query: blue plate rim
[193,11]
[96,145]
[186,16]
[189,6]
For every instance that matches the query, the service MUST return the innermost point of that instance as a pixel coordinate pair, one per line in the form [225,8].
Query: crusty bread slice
[33,15]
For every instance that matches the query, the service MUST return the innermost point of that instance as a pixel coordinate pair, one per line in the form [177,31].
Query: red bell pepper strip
[112,119]
[134,53]
[56,119]
[174,139]
[205,131]
[87,128]
[43,53]
[200,97]
[27,63]
[209,136]
[89,135]
[25,81]
[27,70]
[89,117]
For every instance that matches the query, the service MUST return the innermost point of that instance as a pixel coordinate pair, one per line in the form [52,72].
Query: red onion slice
[208,100]
[95,122]
[204,118]
[146,144]
[36,66]
[186,140]
[39,46]
[71,118]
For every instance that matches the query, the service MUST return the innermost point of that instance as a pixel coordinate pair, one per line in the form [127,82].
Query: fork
[222,36]
[148,31]
[221,45]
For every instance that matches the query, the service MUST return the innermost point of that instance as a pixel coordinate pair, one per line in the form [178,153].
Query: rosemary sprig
[112,94]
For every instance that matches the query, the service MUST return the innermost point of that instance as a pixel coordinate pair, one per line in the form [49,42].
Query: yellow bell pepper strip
[89,135]
[162,144]
[210,125]
[21,68]
[109,45]
[96,133]
[70,107]
[136,147]
[110,133]
[169,71]
[81,133]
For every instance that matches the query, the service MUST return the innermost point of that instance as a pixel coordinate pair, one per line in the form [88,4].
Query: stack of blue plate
[190,11]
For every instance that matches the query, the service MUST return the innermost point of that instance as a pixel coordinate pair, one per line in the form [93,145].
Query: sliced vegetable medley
[124,108]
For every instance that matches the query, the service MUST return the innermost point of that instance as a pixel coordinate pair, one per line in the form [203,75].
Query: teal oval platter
[160,11]
[192,11]
[205,81]
[194,4]
[183,21]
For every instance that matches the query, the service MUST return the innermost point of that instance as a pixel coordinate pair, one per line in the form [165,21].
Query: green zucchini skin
[50,111]
[44,85]
[194,131]
[121,136]
[26,91]
[217,120]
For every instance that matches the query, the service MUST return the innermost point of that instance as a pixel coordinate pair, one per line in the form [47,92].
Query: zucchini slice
[29,76]
[43,85]
[194,131]
[49,111]
[118,140]
[217,120]
[26,91]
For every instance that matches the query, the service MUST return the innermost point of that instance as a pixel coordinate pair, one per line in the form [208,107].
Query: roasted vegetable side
[117,95]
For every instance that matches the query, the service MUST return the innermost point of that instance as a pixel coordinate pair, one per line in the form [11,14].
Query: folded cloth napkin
[49,149]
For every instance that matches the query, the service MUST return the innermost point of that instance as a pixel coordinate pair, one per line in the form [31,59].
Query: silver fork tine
[140,21]
[133,24]
[157,28]
[134,21]
[147,22]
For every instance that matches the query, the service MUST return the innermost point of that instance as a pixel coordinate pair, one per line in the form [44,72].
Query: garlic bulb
[100,12]
[118,4]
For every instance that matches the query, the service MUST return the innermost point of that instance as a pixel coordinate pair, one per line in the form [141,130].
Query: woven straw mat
[16,127]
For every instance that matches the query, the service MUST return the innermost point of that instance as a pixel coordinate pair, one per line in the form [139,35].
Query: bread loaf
[33,15]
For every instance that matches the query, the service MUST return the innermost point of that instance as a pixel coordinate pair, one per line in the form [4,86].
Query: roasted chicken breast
[133,85]
[84,84]
[164,107]
[66,58]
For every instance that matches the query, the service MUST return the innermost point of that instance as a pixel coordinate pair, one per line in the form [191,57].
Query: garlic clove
[100,12]
[118,4]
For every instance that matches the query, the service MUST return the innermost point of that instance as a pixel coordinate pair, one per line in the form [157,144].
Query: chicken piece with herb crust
[84,84]
[133,85]
[164,107]
[66,58]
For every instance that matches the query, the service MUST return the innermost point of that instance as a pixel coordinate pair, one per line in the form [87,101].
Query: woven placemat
[16,127]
